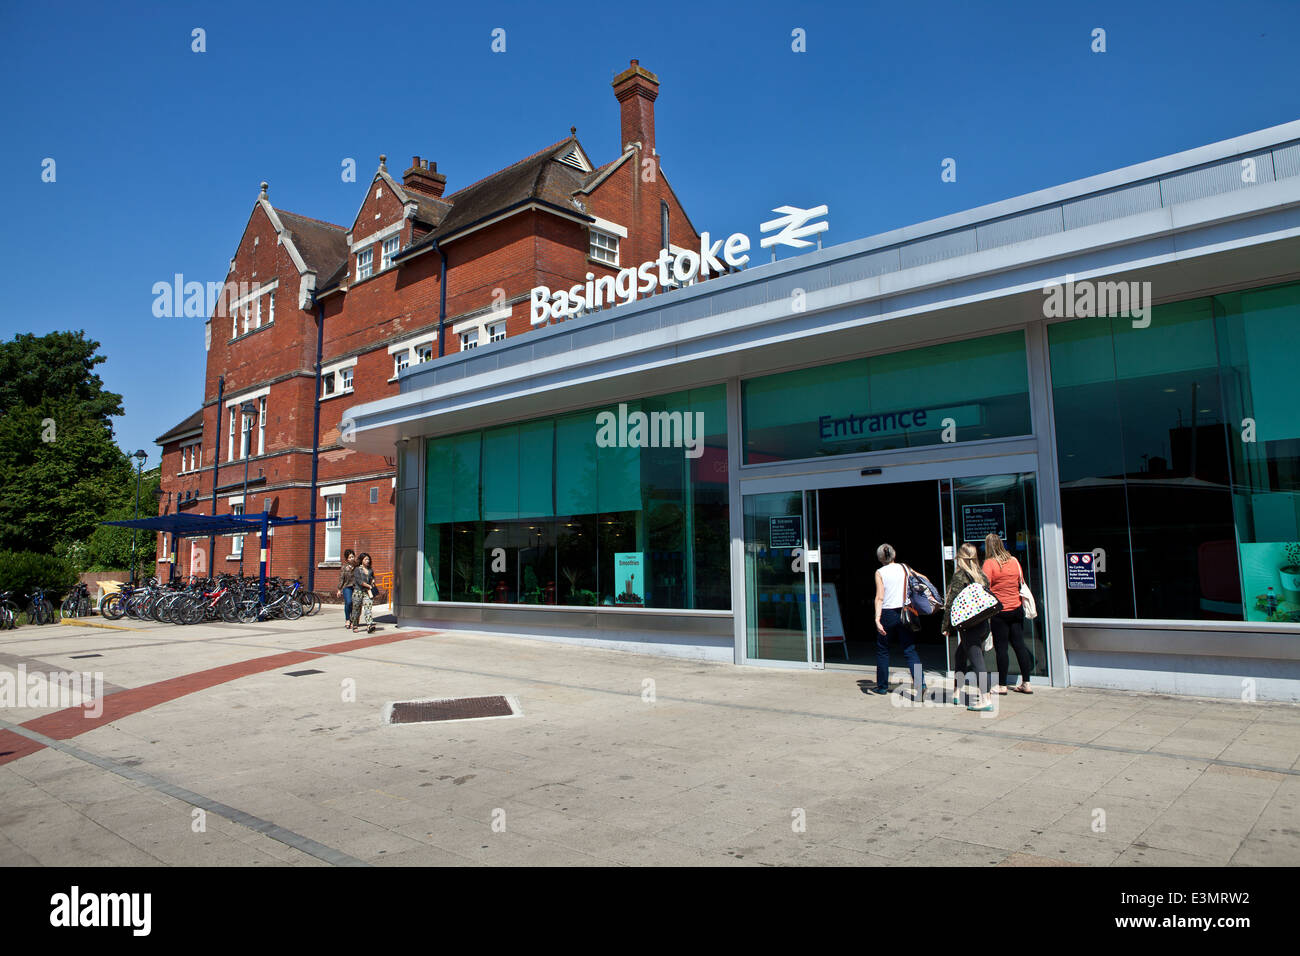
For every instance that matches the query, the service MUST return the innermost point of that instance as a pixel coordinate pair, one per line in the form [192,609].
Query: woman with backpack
[1005,580]
[891,595]
[970,638]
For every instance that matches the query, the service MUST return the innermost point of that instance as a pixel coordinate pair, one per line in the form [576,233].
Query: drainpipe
[216,463]
[442,299]
[315,448]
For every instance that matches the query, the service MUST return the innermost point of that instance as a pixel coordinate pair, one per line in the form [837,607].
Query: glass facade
[621,505]
[1178,449]
[955,392]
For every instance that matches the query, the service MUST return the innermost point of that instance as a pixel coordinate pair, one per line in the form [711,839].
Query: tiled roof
[322,245]
[540,176]
[192,423]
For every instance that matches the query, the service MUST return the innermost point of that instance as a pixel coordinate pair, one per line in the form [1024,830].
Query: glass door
[1005,505]
[778,580]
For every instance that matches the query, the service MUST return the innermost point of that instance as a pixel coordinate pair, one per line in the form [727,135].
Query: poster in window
[629,578]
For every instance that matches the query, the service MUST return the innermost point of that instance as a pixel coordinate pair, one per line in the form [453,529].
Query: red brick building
[333,313]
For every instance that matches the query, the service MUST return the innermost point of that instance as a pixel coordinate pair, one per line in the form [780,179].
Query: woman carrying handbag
[967,609]
[1007,582]
[363,610]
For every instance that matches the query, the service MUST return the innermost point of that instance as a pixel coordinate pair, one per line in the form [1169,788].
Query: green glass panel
[903,399]
[500,473]
[575,464]
[536,469]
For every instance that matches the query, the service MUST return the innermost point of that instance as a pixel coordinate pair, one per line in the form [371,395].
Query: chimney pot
[423,176]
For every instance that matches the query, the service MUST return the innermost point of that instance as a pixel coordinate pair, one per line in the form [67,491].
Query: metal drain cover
[451,708]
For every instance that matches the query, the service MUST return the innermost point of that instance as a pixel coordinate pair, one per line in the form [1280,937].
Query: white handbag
[1027,600]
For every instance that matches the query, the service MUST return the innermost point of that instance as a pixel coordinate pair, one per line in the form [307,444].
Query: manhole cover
[452,708]
[301,673]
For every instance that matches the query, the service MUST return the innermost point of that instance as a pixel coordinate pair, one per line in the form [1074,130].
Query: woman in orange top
[1004,574]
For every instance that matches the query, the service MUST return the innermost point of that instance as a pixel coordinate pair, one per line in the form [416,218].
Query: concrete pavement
[207,753]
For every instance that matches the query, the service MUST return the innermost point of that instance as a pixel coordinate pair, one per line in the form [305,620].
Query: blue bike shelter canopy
[204,526]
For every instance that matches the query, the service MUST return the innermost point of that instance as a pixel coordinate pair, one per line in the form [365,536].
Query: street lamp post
[139,456]
[249,410]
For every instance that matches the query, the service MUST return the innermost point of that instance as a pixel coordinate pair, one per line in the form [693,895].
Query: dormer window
[365,263]
[391,245]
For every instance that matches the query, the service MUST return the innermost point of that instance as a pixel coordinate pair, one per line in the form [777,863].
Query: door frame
[816,477]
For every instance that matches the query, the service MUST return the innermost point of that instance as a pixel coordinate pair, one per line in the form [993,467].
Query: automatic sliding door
[777,579]
[1006,505]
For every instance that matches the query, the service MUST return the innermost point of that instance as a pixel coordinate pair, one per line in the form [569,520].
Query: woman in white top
[891,593]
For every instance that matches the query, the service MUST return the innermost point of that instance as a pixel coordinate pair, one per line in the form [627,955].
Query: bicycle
[8,612]
[42,611]
[77,603]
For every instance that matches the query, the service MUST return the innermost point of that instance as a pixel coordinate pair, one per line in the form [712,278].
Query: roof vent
[573,157]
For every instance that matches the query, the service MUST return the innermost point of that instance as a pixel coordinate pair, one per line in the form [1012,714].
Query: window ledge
[243,335]
[346,391]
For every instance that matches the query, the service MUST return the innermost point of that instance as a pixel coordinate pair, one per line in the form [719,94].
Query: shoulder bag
[920,593]
[1027,597]
[974,605]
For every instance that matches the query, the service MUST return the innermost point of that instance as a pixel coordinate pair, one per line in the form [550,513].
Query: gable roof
[546,176]
[192,424]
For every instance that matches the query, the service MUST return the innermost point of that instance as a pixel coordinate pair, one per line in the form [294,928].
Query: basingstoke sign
[673,267]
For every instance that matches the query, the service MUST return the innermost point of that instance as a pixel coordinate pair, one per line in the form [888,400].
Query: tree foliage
[60,468]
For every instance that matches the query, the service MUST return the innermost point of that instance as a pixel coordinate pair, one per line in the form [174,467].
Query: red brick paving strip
[72,721]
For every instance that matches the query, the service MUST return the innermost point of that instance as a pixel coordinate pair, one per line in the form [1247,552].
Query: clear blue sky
[160,150]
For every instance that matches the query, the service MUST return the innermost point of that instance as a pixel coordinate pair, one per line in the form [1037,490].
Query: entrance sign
[630,577]
[785,531]
[977,521]
[674,267]
[1080,571]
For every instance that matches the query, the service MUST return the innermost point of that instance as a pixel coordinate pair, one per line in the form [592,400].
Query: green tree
[61,469]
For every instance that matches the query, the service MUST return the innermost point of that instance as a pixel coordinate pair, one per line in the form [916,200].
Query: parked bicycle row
[38,607]
[227,598]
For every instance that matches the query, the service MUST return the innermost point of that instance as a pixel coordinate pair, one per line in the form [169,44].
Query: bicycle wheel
[45,613]
[247,612]
[112,606]
[292,609]
[9,612]
[68,608]
[310,605]
[194,611]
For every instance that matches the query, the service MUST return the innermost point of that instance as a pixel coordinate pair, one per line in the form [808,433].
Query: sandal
[1022,689]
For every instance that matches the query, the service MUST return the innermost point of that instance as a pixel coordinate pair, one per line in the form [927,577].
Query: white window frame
[390,247]
[261,425]
[230,445]
[466,342]
[365,263]
[334,527]
[496,332]
[332,382]
[401,360]
[270,307]
[423,353]
[237,541]
[257,321]
[603,246]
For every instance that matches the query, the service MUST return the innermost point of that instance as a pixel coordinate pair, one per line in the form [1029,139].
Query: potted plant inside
[1290,572]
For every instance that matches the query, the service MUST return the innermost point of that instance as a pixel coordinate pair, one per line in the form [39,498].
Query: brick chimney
[423,176]
[636,89]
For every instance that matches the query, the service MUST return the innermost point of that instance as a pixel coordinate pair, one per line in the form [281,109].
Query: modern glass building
[1097,372]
